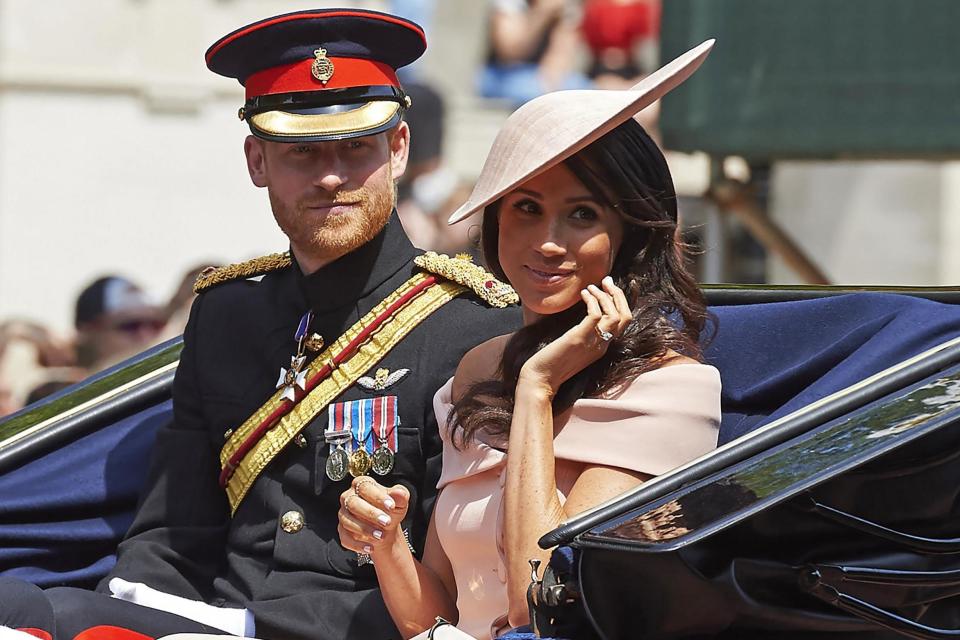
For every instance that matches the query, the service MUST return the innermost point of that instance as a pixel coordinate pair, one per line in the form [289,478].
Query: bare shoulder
[480,363]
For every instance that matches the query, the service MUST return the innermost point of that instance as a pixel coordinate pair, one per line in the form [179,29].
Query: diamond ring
[606,336]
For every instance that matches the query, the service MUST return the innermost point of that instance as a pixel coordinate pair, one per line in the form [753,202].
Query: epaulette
[212,276]
[462,270]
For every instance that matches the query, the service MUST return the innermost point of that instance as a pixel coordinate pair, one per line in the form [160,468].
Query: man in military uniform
[237,529]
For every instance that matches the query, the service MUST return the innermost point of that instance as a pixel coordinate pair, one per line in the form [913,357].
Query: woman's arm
[415,592]
[515,36]
[532,506]
[559,58]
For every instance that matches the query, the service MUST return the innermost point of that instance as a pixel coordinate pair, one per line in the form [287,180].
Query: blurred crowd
[114,319]
[532,47]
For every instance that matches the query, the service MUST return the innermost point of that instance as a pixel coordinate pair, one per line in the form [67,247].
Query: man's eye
[302,148]
[354,144]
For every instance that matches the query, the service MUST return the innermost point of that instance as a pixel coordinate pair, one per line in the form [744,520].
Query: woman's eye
[527,206]
[584,213]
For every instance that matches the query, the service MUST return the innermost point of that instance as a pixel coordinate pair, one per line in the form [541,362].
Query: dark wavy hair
[625,170]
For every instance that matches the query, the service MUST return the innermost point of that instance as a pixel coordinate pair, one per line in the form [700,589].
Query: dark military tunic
[298,582]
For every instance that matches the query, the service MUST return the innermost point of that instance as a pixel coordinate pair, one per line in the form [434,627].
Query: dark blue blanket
[61,515]
[776,358]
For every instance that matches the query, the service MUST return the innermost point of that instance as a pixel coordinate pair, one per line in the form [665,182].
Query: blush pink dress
[662,419]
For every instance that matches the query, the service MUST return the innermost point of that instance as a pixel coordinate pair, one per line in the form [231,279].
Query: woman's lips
[547,276]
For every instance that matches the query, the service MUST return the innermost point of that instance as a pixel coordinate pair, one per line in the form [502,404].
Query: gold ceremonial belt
[402,316]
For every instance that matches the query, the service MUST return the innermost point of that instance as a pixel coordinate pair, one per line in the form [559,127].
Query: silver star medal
[295,377]
[292,378]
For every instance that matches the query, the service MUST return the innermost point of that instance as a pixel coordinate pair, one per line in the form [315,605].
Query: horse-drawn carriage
[830,508]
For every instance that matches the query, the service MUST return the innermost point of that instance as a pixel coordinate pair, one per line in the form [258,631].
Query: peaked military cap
[324,74]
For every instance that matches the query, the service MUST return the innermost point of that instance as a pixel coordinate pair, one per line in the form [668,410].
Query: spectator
[30,356]
[420,12]
[114,320]
[8,403]
[622,37]
[47,388]
[177,309]
[532,49]
[429,190]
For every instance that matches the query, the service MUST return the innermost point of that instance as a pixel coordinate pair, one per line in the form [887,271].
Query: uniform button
[301,441]
[291,521]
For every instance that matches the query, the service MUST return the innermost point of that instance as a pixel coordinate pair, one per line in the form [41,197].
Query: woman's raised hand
[370,515]
[608,314]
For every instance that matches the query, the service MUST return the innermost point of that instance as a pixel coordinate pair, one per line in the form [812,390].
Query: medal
[295,377]
[338,461]
[382,461]
[365,432]
[337,464]
[360,462]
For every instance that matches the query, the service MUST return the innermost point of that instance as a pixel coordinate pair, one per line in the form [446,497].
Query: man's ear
[399,149]
[253,148]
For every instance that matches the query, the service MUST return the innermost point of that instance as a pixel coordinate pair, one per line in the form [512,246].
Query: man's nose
[329,176]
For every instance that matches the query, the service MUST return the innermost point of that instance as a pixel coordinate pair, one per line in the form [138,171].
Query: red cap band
[347,73]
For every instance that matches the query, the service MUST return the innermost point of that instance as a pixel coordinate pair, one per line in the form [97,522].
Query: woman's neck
[529,316]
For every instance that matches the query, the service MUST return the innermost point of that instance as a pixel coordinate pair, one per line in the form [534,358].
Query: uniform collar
[359,272]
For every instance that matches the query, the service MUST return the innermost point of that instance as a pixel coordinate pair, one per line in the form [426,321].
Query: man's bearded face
[330,197]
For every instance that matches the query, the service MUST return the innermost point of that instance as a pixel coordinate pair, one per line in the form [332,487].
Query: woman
[600,390]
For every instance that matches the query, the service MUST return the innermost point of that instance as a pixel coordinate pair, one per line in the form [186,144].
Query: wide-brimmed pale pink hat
[554,126]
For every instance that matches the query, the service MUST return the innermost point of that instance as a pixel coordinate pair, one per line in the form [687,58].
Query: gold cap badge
[322,68]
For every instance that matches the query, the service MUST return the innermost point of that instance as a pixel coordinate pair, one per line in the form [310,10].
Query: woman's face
[555,238]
